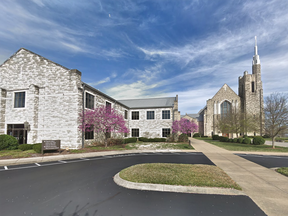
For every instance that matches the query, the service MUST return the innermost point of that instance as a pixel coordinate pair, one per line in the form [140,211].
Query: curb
[176,188]
[17,161]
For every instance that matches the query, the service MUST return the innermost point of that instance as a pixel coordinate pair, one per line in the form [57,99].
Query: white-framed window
[19,99]
[150,115]
[89,101]
[135,132]
[166,132]
[165,114]
[135,115]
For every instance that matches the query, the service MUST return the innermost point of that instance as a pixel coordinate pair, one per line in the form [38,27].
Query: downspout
[83,108]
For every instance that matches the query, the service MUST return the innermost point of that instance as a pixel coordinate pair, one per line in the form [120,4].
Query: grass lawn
[244,147]
[7,154]
[17,153]
[283,170]
[179,174]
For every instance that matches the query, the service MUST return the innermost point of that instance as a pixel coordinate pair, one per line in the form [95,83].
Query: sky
[156,48]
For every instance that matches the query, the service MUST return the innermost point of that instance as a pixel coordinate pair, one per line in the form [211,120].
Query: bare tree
[238,122]
[276,114]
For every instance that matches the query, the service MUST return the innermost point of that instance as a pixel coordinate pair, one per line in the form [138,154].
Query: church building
[248,101]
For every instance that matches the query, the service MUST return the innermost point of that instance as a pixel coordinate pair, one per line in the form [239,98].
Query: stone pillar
[3,94]
[32,113]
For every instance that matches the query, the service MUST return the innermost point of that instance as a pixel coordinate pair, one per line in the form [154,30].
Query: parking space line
[62,161]
[37,164]
[5,167]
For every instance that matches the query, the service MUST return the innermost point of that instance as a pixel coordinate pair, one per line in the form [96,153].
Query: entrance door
[18,131]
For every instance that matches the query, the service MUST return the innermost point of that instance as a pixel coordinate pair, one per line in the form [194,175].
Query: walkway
[268,189]
[283,144]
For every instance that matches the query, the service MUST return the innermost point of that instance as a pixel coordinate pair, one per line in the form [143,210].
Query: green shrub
[196,135]
[8,142]
[240,140]
[244,136]
[266,136]
[215,137]
[130,140]
[25,147]
[224,139]
[37,147]
[235,140]
[114,141]
[183,138]
[159,139]
[143,139]
[258,140]
[246,140]
[204,136]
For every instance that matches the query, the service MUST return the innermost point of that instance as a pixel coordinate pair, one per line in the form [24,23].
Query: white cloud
[133,90]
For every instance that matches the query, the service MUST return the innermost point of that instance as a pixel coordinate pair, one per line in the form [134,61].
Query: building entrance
[18,131]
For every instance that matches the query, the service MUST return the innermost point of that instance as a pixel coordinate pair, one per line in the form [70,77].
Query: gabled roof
[101,93]
[149,102]
[191,115]
[224,86]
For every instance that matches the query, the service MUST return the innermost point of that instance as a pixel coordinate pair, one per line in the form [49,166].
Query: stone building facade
[248,101]
[41,100]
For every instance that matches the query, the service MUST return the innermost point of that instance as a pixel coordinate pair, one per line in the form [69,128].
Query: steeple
[256,59]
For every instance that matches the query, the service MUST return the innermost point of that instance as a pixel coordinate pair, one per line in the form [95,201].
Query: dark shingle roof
[149,102]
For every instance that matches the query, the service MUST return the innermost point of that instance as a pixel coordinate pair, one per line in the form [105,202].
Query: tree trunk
[273,140]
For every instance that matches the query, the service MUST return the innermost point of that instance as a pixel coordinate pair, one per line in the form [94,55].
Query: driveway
[283,144]
[85,187]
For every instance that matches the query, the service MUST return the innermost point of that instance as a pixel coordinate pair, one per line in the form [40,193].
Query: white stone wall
[150,128]
[51,98]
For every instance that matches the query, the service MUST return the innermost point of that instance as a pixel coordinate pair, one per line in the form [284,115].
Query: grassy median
[283,170]
[244,147]
[179,174]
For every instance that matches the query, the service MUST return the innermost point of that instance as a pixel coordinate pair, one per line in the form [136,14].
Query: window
[89,101]
[135,132]
[165,114]
[165,132]
[135,115]
[19,100]
[150,114]
[225,108]
[126,114]
[253,87]
[89,133]
[108,107]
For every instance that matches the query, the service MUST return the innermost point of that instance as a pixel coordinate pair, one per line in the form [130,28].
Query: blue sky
[140,49]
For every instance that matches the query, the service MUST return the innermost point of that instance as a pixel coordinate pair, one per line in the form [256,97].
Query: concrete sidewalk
[267,188]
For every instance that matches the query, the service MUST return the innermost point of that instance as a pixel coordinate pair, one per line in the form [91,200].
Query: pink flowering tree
[184,126]
[102,120]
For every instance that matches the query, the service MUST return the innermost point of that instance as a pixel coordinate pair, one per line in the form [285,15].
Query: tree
[102,120]
[276,115]
[238,122]
[184,126]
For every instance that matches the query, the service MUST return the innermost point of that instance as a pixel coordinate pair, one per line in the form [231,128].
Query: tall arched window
[225,108]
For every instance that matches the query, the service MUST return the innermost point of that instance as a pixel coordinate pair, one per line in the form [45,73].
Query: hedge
[246,140]
[8,142]
[37,147]
[258,140]
[183,138]
[224,139]
[240,140]
[114,141]
[130,140]
[215,137]
[235,140]
[25,147]
[196,135]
